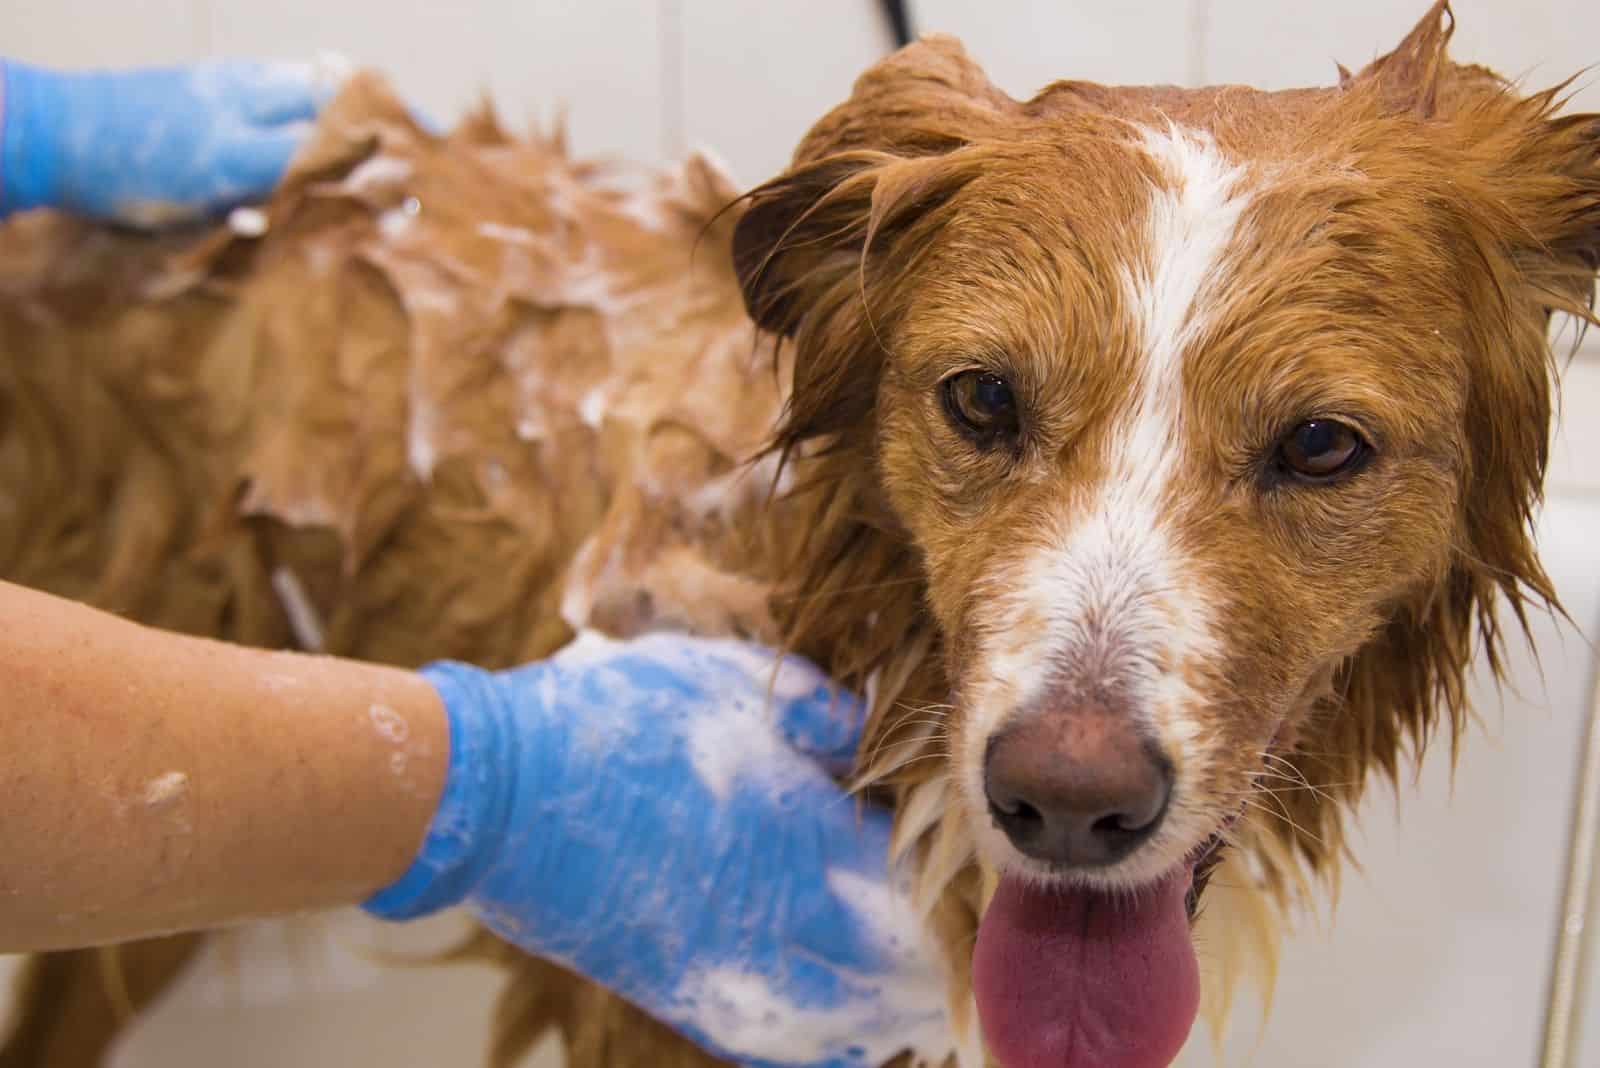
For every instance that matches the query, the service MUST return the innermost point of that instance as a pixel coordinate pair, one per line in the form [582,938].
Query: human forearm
[153,782]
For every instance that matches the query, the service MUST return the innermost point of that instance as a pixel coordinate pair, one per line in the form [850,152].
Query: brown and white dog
[1213,420]
[1155,459]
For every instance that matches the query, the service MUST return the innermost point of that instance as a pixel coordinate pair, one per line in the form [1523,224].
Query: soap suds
[420,418]
[165,789]
[745,486]
[154,214]
[399,768]
[376,173]
[903,1008]
[577,598]
[745,1015]
[512,235]
[592,408]
[304,620]
[390,725]
[646,211]
[739,740]
[727,746]
[398,222]
[303,510]
[247,222]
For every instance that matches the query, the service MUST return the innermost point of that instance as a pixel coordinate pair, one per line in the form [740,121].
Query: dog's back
[456,399]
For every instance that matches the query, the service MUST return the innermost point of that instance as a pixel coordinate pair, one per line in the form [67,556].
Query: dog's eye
[981,404]
[1320,450]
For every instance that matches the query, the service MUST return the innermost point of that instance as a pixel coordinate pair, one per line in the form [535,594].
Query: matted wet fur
[465,395]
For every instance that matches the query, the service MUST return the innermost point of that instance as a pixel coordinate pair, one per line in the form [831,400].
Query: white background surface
[1436,955]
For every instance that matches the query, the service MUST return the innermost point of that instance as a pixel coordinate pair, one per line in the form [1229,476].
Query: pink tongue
[1074,979]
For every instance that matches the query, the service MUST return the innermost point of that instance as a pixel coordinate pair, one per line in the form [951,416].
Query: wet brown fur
[170,449]
[1422,222]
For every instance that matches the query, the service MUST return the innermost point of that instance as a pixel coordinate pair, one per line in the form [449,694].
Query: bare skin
[153,782]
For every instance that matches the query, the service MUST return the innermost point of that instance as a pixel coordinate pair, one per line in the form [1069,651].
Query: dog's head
[1211,423]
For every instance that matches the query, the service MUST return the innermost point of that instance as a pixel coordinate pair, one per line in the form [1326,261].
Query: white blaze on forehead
[1111,555]
[1194,217]
[1108,596]
[1173,286]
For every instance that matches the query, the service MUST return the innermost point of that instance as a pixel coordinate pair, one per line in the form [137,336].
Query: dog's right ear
[862,174]
[923,100]
[822,255]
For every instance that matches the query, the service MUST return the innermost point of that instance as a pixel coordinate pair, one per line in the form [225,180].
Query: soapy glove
[657,815]
[153,146]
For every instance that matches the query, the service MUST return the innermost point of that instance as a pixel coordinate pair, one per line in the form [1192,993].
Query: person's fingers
[816,717]
[254,162]
[273,93]
[813,715]
[838,919]
[284,91]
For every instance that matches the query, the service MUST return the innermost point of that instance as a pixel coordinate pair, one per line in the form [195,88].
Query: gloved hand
[156,145]
[652,815]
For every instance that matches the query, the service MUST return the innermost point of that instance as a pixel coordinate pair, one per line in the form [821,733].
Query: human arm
[647,812]
[153,782]
[155,145]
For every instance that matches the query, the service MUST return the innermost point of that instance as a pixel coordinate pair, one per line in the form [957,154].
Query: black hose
[899,17]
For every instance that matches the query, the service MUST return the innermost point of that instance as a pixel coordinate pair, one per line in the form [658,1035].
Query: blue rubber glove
[652,814]
[153,146]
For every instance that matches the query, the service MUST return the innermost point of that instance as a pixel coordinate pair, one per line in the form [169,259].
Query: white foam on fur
[744,1015]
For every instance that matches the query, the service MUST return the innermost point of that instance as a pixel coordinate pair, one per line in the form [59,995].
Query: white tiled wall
[646,78]
[1436,954]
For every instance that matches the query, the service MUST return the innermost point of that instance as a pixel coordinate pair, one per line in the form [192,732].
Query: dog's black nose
[1076,787]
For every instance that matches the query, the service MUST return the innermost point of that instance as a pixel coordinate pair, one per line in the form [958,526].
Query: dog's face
[1213,420]
[1172,448]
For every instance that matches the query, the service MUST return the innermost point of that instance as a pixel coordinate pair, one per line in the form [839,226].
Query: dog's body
[1151,457]
[385,430]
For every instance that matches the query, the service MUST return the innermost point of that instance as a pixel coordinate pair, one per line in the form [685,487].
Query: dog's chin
[1090,967]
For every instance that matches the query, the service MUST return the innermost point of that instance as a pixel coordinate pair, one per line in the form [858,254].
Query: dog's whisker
[1284,817]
